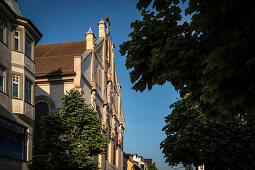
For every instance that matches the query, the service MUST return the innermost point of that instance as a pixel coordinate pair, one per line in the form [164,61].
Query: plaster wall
[86,92]
[86,67]
[54,90]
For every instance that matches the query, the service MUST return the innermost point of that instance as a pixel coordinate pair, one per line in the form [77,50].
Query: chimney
[90,38]
[101,27]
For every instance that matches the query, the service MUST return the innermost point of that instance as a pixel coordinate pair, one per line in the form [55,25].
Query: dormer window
[17,40]
[28,47]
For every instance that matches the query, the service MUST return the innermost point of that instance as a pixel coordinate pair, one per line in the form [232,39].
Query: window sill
[30,58]
[29,104]
[4,93]
[4,44]
[16,98]
[11,158]
[18,51]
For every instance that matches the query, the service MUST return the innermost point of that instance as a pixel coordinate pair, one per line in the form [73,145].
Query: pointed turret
[90,38]
[101,27]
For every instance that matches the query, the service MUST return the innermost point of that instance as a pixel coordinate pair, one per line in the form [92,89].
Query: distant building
[129,163]
[138,160]
[149,162]
[18,37]
[89,66]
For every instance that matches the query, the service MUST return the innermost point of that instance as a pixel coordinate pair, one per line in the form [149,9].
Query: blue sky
[66,20]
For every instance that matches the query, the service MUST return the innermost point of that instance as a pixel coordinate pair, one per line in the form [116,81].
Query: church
[88,66]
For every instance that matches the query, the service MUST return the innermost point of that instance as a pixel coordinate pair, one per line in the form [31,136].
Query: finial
[90,30]
[102,21]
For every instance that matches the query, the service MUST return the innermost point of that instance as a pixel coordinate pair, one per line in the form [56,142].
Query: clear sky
[69,20]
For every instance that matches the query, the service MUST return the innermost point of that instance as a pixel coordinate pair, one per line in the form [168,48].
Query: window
[15,86]
[17,40]
[98,77]
[114,153]
[41,109]
[1,30]
[12,140]
[28,91]
[2,79]
[28,47]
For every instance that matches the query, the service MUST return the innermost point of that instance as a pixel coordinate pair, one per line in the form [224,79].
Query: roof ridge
[60,42]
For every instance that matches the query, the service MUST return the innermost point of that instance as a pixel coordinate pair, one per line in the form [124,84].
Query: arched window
[41,109]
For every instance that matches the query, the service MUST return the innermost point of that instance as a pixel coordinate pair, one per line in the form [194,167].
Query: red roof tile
[57,56]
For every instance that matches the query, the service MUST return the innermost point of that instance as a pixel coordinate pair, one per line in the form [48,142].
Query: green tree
[152,167]
[193,140]
[71,137]
[211,57]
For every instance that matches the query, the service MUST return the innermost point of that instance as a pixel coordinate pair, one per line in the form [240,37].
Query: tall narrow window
[28,47]
[1,30]
[2,79]
[17,40]
[97,74]
[41,110]
[15,86]
[100,78]
[28,91]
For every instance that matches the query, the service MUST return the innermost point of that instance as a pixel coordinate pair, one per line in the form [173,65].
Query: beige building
[18,37]
[89,66]
[129,163]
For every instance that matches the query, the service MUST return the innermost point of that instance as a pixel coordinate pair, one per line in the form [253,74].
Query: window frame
[18,38]
[2,26]
[10,127]
[26,91]
[3,74]
[27,37]
[16,81]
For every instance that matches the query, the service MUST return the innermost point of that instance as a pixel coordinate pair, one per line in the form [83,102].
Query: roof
[57,57]
[148,161]
[13,4]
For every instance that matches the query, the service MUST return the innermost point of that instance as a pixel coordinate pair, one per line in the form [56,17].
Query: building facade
[18,37]
[89,66]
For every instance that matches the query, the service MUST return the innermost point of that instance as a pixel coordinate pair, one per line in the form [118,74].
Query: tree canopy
[211,58]
[152,167]
[71,137]
[194,140]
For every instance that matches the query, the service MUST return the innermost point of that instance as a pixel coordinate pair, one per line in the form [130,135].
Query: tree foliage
[71,137]
[152,167]
[194,140]
[210,58]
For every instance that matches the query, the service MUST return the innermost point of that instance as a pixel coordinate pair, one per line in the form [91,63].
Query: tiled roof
[57,57]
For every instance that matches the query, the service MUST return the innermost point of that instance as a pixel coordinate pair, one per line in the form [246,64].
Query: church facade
[89,66]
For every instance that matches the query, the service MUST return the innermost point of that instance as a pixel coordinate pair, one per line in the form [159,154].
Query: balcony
[25,110]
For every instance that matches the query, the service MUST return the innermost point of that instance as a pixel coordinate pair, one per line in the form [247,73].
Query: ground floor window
[41,109]
[12,140]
